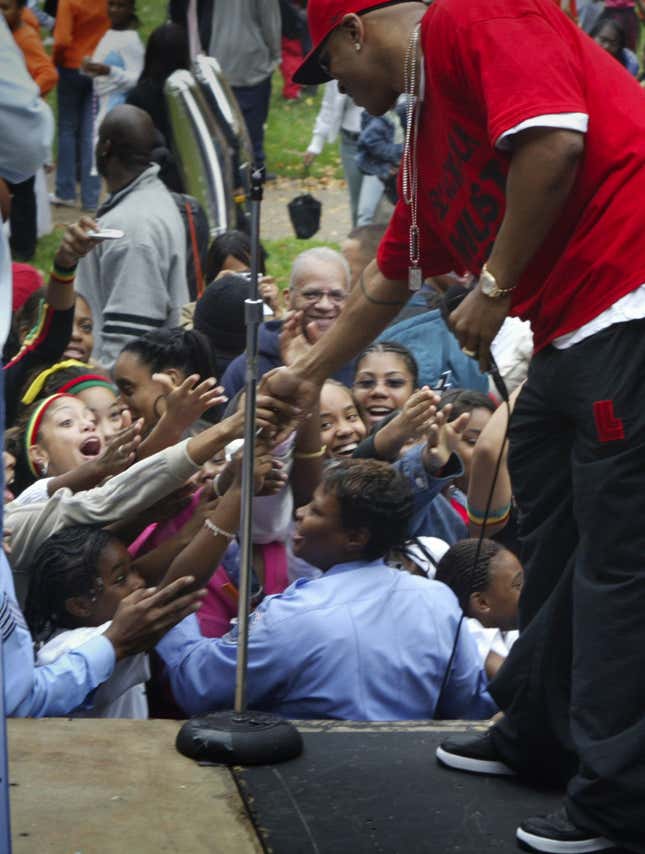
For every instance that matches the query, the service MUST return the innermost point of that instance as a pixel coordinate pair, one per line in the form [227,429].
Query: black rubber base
[254,738]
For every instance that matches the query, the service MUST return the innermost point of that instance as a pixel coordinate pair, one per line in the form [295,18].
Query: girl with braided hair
[487,580]
[78,578]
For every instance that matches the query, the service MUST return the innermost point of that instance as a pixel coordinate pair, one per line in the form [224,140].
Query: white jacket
[336,111]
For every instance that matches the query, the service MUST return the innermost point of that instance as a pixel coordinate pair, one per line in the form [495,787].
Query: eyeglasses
[315,296]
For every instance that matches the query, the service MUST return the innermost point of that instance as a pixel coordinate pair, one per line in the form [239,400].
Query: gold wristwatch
[488,285]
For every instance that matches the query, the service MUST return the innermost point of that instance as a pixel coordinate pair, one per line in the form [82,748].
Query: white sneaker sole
[475,766]
[552,846]
[62,203]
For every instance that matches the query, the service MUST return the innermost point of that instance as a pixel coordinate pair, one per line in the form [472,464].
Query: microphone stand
[243,737]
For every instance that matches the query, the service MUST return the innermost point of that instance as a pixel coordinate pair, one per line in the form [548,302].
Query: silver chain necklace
[410,176]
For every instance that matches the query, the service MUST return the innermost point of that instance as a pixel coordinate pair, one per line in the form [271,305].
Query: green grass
[151,13]
[283,252]
[288,134]
[46,250]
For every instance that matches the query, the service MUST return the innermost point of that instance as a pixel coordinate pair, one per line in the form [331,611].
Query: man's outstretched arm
[372,304]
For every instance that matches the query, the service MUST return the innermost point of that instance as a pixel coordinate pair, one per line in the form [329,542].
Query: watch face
[488,283]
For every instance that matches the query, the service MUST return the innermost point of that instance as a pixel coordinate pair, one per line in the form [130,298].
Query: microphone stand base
[244,738]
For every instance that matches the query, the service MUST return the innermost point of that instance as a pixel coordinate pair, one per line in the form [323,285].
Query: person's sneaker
[555,833]
[474,753]
[61,203]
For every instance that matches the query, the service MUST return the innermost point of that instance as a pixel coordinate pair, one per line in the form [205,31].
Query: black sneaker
[474,753]
[555,833]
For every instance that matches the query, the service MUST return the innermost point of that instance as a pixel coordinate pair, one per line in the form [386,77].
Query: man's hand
[271,416]
[144,616]
[287,385]
[476,321]
[75,243]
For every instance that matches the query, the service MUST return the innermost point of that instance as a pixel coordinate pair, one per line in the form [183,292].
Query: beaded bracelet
[63,274]
[494,517]
[216,531]
[313,455]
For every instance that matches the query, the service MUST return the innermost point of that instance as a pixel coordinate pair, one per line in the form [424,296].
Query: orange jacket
[80,25]
[37,60]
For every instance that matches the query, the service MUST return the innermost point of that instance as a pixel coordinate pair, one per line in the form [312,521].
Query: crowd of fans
[380,520]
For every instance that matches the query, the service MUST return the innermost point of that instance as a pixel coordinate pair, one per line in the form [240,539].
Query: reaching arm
[372,304]
[492,441]
[203,554]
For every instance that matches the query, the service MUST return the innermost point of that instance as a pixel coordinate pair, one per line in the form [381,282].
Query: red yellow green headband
[75,386]
[33,427]
[79,384]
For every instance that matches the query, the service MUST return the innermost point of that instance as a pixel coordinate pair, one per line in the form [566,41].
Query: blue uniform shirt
[48,690]
[362,642]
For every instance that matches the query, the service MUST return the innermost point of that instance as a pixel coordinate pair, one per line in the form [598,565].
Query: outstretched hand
[294,343]
[187,402]
[144,616]
[120,451]
[418,412]
[287,386]
[443,438]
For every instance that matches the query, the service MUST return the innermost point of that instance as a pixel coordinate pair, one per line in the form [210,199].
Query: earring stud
[357,46]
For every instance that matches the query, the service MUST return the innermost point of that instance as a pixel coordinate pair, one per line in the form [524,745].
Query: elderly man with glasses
[318,290]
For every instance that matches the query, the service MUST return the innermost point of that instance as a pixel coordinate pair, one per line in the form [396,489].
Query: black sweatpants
[573,687]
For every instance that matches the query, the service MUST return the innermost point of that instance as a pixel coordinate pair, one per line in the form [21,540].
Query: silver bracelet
[217,531]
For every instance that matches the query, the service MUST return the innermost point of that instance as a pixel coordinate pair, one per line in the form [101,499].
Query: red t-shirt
[489,66]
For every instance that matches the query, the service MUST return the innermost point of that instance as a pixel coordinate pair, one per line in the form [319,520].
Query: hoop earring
[155,407]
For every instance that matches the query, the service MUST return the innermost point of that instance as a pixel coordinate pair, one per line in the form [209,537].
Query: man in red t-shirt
[531,173]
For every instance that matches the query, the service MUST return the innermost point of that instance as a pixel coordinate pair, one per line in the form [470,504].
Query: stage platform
[120,787]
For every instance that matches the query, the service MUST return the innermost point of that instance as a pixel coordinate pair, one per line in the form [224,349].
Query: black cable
[453,296]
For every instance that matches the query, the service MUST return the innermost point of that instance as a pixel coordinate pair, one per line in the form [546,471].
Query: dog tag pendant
[415,278]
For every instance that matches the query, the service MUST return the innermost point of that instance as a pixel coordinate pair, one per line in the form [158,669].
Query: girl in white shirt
[79,577]
[487,580]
